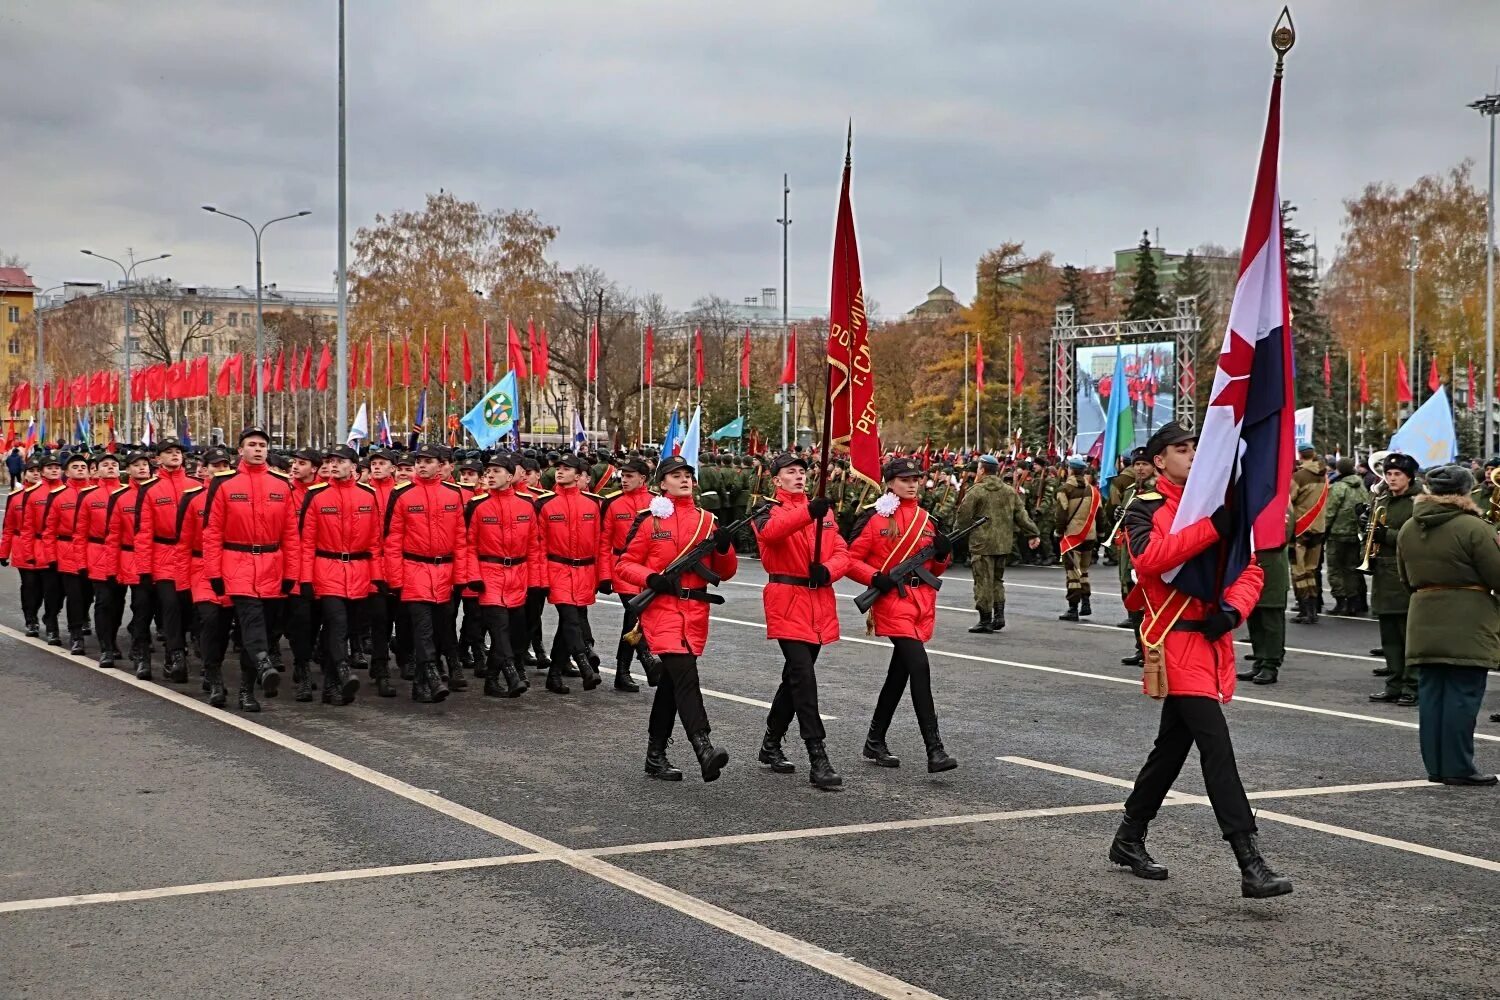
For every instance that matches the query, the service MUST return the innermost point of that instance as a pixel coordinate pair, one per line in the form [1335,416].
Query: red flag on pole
[467,359]
[489,362]
[279,380]
[697,356]
[1018,373]
[648,376]
[514,356]
[1403,384]
[406,360]
[307,363]
[443,358]
[424,374]
[789,367]
[325,361]
[1327,374]
[354,367]
[1364,380]
[849,411]
[1473,399]
[541,355]
[1434,380]
[978,365]
[745,361]
[390,362]
[370,364]
[593,353]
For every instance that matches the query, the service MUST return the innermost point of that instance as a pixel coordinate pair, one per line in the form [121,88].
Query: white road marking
[838,966]
[1372,786]
[274,881]
[1289,820]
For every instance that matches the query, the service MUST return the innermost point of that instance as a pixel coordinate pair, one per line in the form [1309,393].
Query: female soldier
[1388,595]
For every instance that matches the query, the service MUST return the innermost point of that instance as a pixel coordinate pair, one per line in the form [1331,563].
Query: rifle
[914,565]
[692,560]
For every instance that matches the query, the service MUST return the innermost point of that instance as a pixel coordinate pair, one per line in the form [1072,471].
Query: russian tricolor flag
[1246,448]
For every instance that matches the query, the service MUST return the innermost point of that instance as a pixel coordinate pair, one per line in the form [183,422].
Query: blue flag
[1119,405]
[734,429]
[495,414]
[689,449]
[418,421]
[669,440]
[1428,434]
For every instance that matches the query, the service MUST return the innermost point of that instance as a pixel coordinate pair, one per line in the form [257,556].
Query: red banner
[468,360]
[697,357]
[1473,399]
[593,369]
[325,361]
[789,366]
[541,363]
[1327,375]
[514,357]
[978,365]
[1018,372]
[1364,380]
[424,374]
[443,358]
[1434,380]
[1403,385]
[745,361]
[648,359]
[852,421]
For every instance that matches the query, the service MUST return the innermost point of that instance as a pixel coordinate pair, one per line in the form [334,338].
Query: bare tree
[167,321]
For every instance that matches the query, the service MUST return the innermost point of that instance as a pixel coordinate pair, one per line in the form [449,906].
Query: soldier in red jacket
[340,531]
[93,526]
[61,537]
[212,611]
[250,554]
[119,545]
[299,621]
[505,547]
[534,649]
[381,609]
[38,508]
[16,548]
[675,623]
[1192,640]
[620,511]
[800,610]
[890,531]
[571,531]
[156,554]
[426,548]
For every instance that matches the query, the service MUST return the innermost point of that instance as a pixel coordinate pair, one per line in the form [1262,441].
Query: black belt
[127,548]
[96,541]
[341,556]
[570,562]
[254,550]
[618,552]
[64,538]
[697,594]
[1189,626]
[429,560]
[161,540]
[793,581]
[503,560]
[197,553]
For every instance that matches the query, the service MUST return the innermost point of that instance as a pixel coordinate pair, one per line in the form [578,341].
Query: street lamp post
[260,330]
[784,222]
[127,272]
[1411,320]
[1489,106]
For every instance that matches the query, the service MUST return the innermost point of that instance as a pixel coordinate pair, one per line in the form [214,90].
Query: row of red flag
[1017,367]
[1403,380]
[648,358]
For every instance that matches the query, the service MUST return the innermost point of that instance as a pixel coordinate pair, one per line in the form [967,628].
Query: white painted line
[742,700]
[1103,779]
[772,836]
[1289,820]
[1373,786]
[274,881]
[838,966]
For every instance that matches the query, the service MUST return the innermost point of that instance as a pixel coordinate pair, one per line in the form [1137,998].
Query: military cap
[1077,462]
[672,464]
[1492,461]
[36,463]
[444,453]
[1166,435]
[635,465]
[989,461]
[1402,463]
[312,455]
[168,443]
[786,460]
[215,454]
[248,432]
[502,460]
[427,450]
[342,451]
[278,462]
[1139,455]
[530,464]
[50,459]
[375,453]
[902,466]
[403,458]
[577,462]
[133,457]
[1449,480]
[471,465]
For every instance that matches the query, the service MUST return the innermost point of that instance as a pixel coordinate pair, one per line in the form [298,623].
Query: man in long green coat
[1389,598]
[993,542]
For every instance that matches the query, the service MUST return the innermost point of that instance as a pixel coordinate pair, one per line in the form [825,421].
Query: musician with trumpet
[1486,493]
[1389,597]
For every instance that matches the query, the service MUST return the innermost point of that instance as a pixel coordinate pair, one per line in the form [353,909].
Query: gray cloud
[655,133]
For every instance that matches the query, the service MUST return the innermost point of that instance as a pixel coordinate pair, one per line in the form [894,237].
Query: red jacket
[340,529]
[93,526]
[505,546]
[426,547]
[881,542]
[672,624]
[60,531]
[38,506]
[619,510]
[156,524]
[1195,665]
[570,531]
[190,548]
[119,538]
[250,531]
[784,533]
[16,544]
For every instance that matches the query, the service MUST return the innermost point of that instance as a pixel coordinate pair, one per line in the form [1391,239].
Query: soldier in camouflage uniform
[994,541]
[1343,549]
[1044,512]
[1309,507]
[1077,509]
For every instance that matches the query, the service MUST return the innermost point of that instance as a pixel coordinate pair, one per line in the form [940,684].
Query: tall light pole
[784,222]
[1411,320]
[260,329]
[1489,106]
[126,272]
[341,345]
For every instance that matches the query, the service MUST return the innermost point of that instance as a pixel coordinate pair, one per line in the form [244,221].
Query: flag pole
[965,367]
[1349,399]
[1010,391]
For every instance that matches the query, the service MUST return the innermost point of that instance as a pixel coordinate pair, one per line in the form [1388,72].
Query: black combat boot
[1128,849]
[1085,608]
[1340,606]
[1265,675]
[177,671]
[711,760]
[466,664]
[555,679]
[75,647]
[876,750]
[217,696]
[1300,618]
[593,658]
[650,663]
[380,673]
[771,755]
[937,758]
[587,670]
[32,630]
[456,679]
[1312,610]
[1071,615]
[820,772]
[302,677]
[1135,659]
[997,617]
[108,656]
[1249,672]
[983,627]
[657,765]
[53,638]
[407,671]
[623,680]
[345,685]
[247,689]
[267,675]
[432,677]
[141,662]
[1257,880]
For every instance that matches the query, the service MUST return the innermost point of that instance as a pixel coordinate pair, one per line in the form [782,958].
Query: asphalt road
[479,848]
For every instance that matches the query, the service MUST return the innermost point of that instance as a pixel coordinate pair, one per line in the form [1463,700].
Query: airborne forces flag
[849,413]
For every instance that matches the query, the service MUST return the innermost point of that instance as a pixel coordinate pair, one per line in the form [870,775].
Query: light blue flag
[1428,435]
[1119,400]
[689,448]
[495,414]
[734,429]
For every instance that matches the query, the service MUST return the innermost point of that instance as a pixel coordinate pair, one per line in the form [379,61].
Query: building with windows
[17,327]
[1223,272]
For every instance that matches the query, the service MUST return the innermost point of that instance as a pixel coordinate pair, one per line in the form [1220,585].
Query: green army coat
[1388,594]
[1448,556]
[1276,564]
[991,498]
[1346,493]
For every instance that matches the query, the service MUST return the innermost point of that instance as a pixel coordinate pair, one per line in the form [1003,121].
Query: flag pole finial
[1283,36]
[849,144]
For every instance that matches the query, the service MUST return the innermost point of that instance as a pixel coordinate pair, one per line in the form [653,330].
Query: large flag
[468,359]
[325,361]
[1433,378]
[593,352]
[495,414]
[1428,435]
[850,407]
[360,429]
[1403,384]
[443,358]
[1018,372]
[513,349]
[1246,449]
[579,437]
[978,365]
[697,356]
[1327,374]
[1473,399]
[1364,381]
[689,449]
[789,367]
[669,439]
[370,365]
[735,430]
[648,376]
[418,421]
[1119,422]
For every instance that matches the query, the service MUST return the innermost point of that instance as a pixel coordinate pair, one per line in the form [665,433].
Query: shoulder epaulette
[58,488]
[221,472]
[93,486]
[317,486]
[365,486]
[478,497]
[122,489]
[453,486]
[401,486]
[542,494]
[611,496]
[591,496]
[869,506]
[771,500]
[279,474]
[1149,495]
[28,489]
[192,489]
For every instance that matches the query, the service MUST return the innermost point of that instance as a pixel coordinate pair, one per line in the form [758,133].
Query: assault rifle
[693,560]
[914,565]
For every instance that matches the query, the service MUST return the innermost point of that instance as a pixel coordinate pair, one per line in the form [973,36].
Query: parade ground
[156,847]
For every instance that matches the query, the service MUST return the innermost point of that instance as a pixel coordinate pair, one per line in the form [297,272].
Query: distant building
[940,301]
[1222,272]
[17,328]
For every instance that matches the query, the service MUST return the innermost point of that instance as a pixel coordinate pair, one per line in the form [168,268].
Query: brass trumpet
[1493,514]
[1372,547]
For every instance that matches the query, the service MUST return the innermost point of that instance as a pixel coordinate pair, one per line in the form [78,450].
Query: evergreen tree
[1311,335]
[1145,297]
[1192,279]
[1075,293]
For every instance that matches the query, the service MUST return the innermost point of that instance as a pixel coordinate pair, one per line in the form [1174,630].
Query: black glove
[819,575]
[942,548]
[216,585]
[52,565]
[1222,521]
[1220,623]
[306,590]
[287,586]
[477,586]
[661,584]
[883,582]
[818,507]
[113,581]
[381,588]
[146,582]
[1382,534]
[4,562]
[605,587]
[723,540]
[395,592]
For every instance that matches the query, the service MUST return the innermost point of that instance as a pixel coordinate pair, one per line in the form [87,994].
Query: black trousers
[500,624]
[471,633]
[908,664]
[142,607]
[76,591]
[445,629]
[31,595]
[536,602]
[52,597]
[677,694]
[172,608]
[1185,721]
[381,611]
[213,631]
[299,623]
[258,618]
[426,622]
[571,636]
[624,651]
[798,692]
[341,617]
[109,611]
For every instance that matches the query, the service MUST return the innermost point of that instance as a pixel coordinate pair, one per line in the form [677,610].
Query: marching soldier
[1389,598]
[60,536]
[533,649]
[800,610]
[619,511]
[298,620]
[571,530]
[156,555]
[1309,502]
[212,610]
[505,556]
[49,585]
[382,609]
[93,527]
[992,543]
[892,530]
[470,636]
[17,548]
[119,540]
[1345,498]
[1077,507]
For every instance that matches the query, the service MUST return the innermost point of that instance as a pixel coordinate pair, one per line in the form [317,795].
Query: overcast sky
[655,134]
